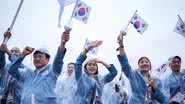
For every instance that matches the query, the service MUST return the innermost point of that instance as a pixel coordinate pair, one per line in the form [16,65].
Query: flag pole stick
[68,26]
[74,10]
[15,17]
[130,20]
[180,18]
[124,30]
[5,40]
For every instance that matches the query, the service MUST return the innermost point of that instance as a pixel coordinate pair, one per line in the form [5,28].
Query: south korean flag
[81,12]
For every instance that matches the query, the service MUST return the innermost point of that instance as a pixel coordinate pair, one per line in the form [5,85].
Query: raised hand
[27,50]
[65,37]
[121,45]
[7,34]
[94,44]
[3,47]
[102,62]
[120,40]
[97,60]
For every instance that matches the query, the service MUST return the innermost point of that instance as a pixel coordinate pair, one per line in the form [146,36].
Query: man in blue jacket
[39,84]
[175,82]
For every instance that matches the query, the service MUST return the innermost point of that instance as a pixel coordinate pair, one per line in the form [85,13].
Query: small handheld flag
[180,27]
[5,40]
[81,12]
[162,68]
[62,4]
[139,24]
[93,51]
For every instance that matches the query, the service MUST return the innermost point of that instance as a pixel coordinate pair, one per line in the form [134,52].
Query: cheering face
[175,65]
[144,64]
[92,67]
[15,51]
[40,60]
[70,69]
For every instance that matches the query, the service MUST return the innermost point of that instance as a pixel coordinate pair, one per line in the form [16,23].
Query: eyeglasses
[40,56]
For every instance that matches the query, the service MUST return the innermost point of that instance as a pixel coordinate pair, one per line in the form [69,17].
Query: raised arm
[3,50]
[112,71]
[2,56]
[81,58]
[13,70]
[58,61]
[126,68]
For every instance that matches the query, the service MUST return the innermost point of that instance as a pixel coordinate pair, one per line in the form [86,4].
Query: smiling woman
[144,64]
[144,89]
[91,66]
[90,84]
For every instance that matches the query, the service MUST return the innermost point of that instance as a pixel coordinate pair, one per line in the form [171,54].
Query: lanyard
[148,96]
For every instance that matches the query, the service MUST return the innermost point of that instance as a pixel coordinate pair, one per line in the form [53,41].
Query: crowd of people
[83,84]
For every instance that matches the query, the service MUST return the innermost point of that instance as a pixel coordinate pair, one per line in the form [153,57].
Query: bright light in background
[36,26]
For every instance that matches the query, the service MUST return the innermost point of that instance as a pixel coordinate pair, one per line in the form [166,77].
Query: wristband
[119,48]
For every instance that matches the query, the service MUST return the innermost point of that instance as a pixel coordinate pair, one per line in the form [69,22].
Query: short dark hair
[177,57]
[71,63]
[47,56]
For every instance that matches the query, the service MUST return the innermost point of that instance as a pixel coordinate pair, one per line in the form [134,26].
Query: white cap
[42,50]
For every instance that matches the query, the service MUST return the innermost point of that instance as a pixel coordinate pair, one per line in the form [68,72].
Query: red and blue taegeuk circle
[137,24]
[81,11]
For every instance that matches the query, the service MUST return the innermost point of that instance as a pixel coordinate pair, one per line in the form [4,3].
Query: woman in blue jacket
[90,84]
[144,88]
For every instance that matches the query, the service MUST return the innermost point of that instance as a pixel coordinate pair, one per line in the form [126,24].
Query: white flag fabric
[139,24]
[180,27]
[68,2]
[93,51]
[179,97]
[63,3]
[162,68]
[81,12]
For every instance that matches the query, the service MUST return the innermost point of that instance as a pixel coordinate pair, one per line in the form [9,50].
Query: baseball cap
[42,50]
